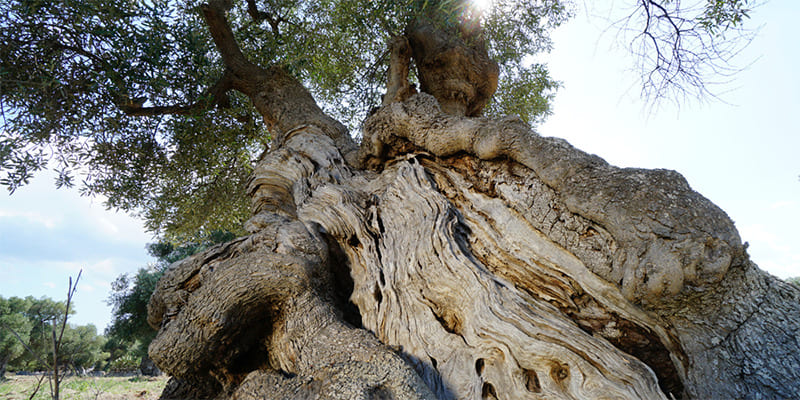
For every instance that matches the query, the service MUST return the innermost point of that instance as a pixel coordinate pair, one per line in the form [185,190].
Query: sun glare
[482,5]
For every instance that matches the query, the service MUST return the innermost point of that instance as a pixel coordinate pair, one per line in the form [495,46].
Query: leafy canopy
[33,319]
[118,95]
[14,328]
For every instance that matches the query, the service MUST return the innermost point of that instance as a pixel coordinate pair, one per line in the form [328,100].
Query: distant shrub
[124,364]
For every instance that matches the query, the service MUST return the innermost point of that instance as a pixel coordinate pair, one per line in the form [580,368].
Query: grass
[20,387]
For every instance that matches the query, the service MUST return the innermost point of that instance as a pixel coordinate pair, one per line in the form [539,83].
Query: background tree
[28,347]
[82,348]
[49,347]
[41,315]
[12,320]
[129,298]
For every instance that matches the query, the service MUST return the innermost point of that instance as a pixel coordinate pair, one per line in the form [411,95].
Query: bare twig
[38,386]
[58,340]
[680,57]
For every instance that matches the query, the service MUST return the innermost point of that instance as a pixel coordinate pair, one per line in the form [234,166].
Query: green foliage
[32,319]
[722,15]
[526,92]
[167,252]
[82,347]
[117,347]
[41,315]
[12,320]
[69,68]
[129,298]
[126,363]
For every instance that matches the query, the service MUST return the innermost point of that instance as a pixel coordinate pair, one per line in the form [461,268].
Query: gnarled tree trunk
[455,256]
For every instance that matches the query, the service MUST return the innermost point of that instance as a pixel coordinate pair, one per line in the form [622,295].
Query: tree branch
[33,353]
[215,95]
[259,16]
[221,32]
[679,53]
[279,97]
[397,86]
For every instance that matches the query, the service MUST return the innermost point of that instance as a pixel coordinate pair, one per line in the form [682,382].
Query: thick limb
[673,237]
[261,308]
[668,251]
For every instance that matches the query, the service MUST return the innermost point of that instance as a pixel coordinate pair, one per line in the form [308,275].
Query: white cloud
[32,218]
[757,233]
[104,267]
[107,226]
[86,288]
[51,285]
[782,204]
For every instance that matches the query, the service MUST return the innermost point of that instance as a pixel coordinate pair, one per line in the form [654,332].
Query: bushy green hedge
[126,363]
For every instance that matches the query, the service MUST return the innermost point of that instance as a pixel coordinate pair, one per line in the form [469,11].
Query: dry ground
[20,387]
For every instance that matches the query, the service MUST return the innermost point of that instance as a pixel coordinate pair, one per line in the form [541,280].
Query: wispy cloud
[86,288]
[782,204]
[48,222]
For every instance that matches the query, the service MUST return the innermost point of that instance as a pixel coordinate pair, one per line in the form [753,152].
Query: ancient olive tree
[449,252]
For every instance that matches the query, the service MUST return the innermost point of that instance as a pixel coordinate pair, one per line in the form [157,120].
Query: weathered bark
[148,368]
[491,277]
[454,67]
[398,88]
[3,364]
[258,312]
[457,257]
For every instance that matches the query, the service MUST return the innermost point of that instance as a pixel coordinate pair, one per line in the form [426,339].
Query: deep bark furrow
[627,202]
[450,301]
[260,310]
[548,274]
[671,251]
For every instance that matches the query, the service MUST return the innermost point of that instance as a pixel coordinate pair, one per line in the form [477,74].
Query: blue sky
[742,154]
[48,235]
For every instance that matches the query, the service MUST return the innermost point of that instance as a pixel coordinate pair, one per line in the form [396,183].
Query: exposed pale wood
[478,271]
[462,258]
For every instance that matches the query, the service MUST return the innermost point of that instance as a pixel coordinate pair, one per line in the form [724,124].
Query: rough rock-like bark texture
[669,235]
[471,258]
[398,88]
[255,317]
[455,69]
[729,330]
